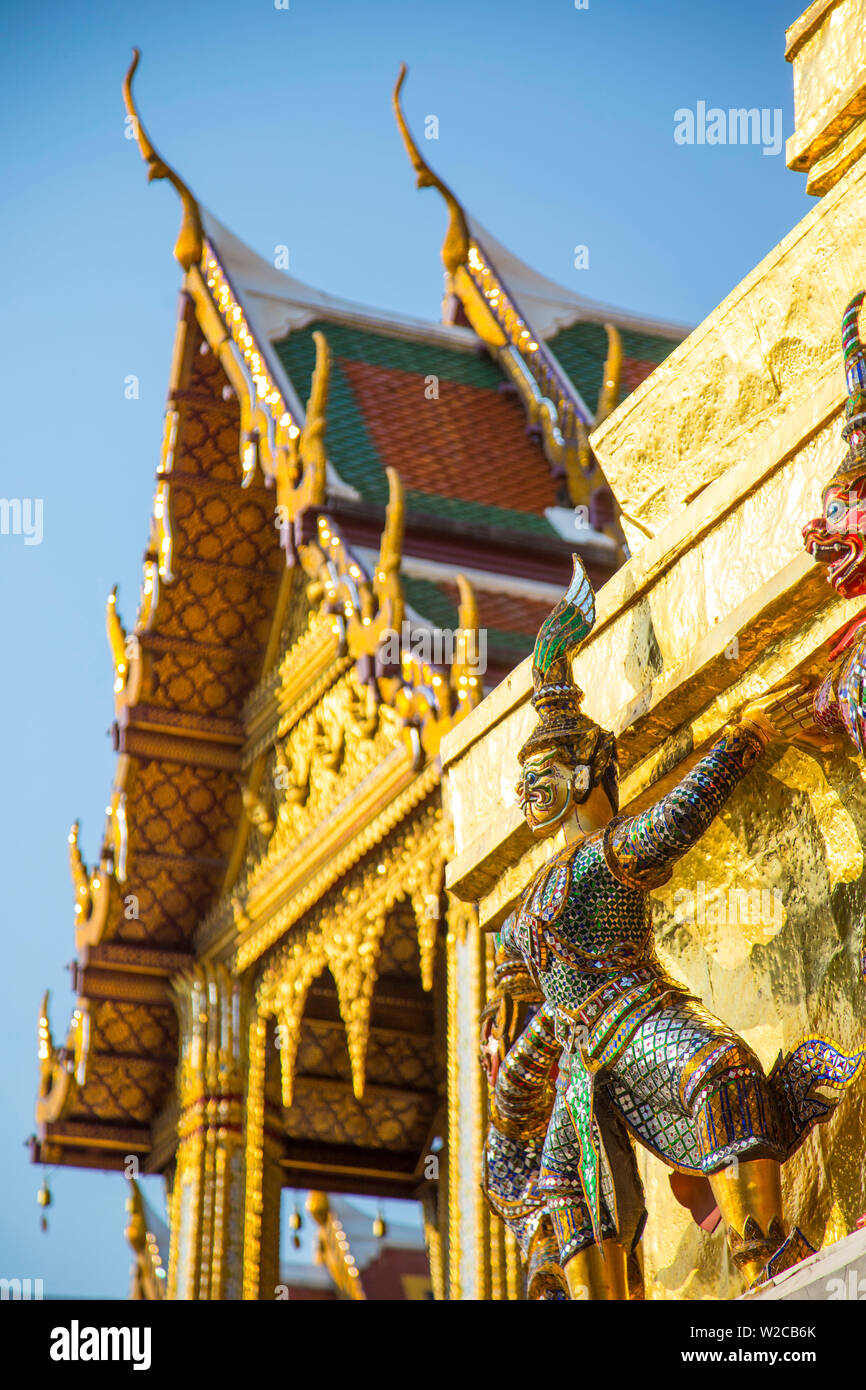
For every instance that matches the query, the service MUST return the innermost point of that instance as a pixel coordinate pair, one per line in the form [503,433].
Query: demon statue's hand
[502,1020]
[489,1048]
[786,715]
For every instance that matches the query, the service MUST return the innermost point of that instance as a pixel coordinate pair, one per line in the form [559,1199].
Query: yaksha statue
[837,539]
[588,1044]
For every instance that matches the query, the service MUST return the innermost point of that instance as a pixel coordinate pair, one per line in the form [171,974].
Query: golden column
[476,1258]
[263,1183]
[207,1196]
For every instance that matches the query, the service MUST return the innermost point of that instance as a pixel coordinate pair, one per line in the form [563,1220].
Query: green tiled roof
[582,351]
[478,513]
[348,441]
[386,350]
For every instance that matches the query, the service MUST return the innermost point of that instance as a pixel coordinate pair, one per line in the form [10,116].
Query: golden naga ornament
[580,995]
[301,467]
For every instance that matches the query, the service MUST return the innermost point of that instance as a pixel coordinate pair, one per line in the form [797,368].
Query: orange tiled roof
[469,443]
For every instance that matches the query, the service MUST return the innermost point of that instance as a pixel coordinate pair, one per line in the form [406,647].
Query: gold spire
[188,247]
[455,247]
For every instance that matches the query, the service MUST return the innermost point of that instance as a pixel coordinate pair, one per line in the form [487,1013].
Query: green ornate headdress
[557,696]
[853,464]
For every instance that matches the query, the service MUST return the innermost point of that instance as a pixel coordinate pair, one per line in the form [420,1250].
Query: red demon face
[837,539]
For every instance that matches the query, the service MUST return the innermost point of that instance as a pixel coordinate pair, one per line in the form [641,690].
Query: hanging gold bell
[44,1199]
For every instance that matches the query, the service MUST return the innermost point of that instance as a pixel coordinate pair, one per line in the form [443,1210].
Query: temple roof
[279,302]
[430,401]
[197,650]
[461,453]
[550,306]
[572,325]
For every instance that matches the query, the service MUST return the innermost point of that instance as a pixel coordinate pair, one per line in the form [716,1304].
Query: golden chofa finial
[188,247]
[455,247]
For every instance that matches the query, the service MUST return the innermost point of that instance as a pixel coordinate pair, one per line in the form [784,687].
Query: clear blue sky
[556,128]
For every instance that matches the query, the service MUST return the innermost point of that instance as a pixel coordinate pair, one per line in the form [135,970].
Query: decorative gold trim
[469,1232]
[498,1290]
[346,936]
[211,1079]
[148,1278]
[61,1070]
[269,431]
[274,921]
[333,1248]
[254,1156]
[546,396]
[455,1249]
[513,1268]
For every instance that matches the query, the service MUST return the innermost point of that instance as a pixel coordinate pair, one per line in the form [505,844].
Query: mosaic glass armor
[521,1103]
[680,1080]
[638,1053]
[617,1049]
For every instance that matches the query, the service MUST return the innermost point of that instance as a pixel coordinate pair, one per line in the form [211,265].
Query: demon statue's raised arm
[599,1043]
[837,539]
